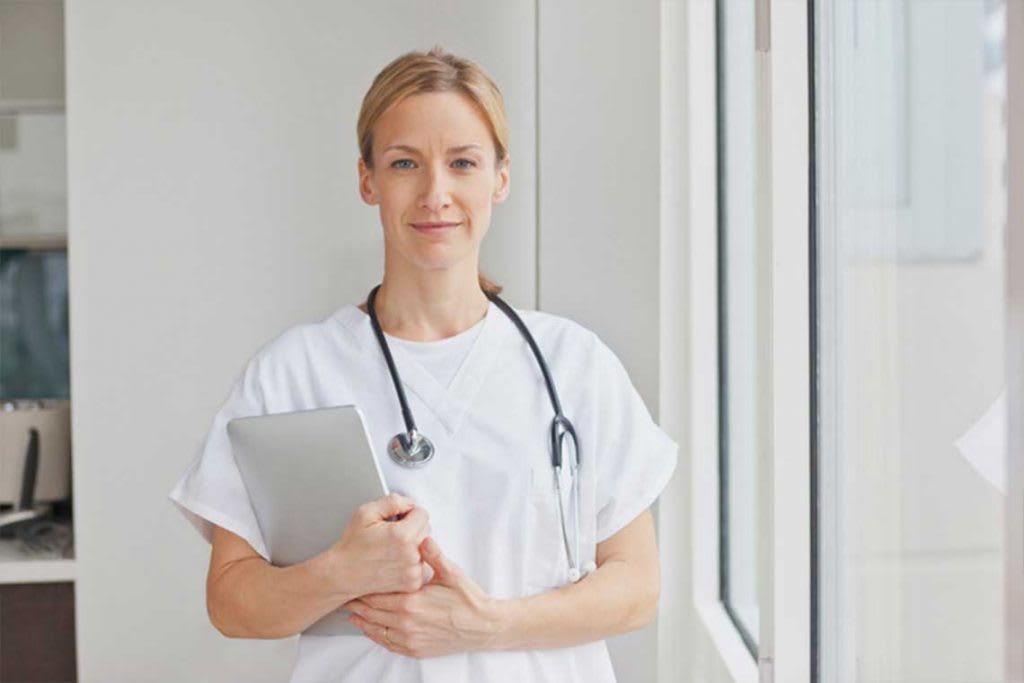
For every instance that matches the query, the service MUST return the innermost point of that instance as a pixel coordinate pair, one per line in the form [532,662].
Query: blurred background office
[800,224]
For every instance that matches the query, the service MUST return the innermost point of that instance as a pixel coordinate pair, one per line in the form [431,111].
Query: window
[737,317]
[912,195]
[33,324]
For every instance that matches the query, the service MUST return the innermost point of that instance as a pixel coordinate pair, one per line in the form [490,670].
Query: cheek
[479,202]
[482,213]
[394,204]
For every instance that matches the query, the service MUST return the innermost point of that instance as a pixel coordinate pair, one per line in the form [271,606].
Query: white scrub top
[489,490]
[442,358]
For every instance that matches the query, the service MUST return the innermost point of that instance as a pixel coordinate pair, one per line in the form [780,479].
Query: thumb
[445,572]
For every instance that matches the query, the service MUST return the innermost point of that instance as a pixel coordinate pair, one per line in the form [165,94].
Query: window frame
[785,360]
[701,41]
[722,326]
[701,266]
[788,286]
[1014,555]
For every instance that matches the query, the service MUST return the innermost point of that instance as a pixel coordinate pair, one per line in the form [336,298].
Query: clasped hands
[399,608]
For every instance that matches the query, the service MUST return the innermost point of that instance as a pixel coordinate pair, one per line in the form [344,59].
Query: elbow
[216,613]
[648,611]
[223,631]
[234,627]
[216,620]
[645,608]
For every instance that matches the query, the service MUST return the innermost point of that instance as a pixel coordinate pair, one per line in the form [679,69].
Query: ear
[501,188]
[366,185]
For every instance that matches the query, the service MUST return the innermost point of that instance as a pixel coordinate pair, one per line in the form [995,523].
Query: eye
[468,161]
[395,164]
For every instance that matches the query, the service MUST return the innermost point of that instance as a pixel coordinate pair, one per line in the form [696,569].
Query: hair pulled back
[416,73]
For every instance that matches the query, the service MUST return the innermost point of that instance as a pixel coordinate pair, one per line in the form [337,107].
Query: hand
[451,613]
[375,554]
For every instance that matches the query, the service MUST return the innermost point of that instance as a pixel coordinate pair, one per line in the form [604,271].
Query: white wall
[599,174]
[213,203]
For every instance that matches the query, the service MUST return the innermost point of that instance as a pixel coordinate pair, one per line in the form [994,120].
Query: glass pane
[911,158]
[33,325]
[737,316]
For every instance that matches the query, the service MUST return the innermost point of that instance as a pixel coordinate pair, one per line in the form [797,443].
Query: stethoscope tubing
[548,382]
[410,423]
[561,426]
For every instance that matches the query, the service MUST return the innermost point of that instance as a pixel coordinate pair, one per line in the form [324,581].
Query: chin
[437,262]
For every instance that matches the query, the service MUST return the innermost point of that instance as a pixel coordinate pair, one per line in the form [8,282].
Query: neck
[422,305]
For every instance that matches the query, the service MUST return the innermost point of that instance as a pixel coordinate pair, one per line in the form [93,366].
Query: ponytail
[488,286]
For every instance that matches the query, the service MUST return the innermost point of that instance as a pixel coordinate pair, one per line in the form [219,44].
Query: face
[434,178]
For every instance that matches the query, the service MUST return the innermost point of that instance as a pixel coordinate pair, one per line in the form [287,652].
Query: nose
[436,192]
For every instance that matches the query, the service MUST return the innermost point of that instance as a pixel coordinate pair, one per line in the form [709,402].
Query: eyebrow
[413,150]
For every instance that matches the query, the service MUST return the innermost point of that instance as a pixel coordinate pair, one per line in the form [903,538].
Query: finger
[371,631]
[418,522]
[429,548]
[391,505]
[428,572]
[379,635]
[380,617]
[391,602]
[444,569]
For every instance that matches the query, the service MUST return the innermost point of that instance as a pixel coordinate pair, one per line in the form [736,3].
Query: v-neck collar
[449,405]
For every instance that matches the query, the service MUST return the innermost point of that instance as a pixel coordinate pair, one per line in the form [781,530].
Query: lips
[429,225]
[433,227]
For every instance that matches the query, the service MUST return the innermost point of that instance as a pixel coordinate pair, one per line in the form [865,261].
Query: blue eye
[468,161]
[394,164]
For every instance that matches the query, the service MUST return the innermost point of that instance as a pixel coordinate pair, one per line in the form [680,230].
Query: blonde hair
[415,73]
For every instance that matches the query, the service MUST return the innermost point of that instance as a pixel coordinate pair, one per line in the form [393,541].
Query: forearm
[254,599]
[614,599]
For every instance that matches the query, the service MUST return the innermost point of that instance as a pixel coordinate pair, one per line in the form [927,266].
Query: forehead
[444,118]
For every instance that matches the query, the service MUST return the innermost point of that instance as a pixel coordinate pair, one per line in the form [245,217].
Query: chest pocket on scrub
[546,565]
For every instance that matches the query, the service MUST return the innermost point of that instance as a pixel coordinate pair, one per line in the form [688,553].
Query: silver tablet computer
[306,473]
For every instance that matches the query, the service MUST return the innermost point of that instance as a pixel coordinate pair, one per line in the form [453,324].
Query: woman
[472,582]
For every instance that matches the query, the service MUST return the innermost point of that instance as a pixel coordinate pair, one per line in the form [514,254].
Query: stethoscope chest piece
[411,450]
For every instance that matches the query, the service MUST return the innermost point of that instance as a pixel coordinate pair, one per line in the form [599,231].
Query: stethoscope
[413,449]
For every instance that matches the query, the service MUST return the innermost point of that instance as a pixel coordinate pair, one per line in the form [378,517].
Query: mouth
[434,228]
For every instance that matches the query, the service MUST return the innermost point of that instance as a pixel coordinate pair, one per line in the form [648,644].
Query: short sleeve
[211,491]
[635,458]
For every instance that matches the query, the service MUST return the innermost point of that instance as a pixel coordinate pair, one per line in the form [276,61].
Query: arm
[620,596]
[247,597]
[452,613]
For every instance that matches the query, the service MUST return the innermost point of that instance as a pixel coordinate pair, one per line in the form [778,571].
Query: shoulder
[557,329]
[301,344]
[589,374]
[577,348]
[560,335]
